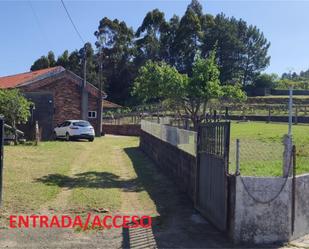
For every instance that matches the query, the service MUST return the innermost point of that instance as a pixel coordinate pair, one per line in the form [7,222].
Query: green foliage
[242,49]
[40,63]
[286,84]
[148,44]
[115,53]
[14,107]
[265,81]
[297,81]
[158,81]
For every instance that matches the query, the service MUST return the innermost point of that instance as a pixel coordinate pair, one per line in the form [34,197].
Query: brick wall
[178,164]
[93,106]
[67,97]
[125,130]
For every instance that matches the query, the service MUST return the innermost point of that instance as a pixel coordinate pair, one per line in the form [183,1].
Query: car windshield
[81,123]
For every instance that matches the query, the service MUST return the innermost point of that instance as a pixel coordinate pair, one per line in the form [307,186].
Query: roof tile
[18,79]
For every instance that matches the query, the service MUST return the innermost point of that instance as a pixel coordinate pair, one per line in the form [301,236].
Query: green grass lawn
[63,176]
[82,175]
[261,147]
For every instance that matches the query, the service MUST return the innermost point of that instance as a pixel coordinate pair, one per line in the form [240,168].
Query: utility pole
[84,87]
[100,100]
[290,111]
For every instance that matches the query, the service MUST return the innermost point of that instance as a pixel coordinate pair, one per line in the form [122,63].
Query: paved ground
[300,243]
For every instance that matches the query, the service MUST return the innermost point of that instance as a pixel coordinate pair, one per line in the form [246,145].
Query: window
[82,123]
[92,114]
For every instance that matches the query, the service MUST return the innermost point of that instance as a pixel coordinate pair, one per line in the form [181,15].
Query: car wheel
[91,139]
[67,137]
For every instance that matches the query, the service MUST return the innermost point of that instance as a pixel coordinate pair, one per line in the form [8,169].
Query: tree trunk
[196,122]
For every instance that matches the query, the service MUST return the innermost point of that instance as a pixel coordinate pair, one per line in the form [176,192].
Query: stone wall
[261,220]
[179,165]
[125,130]
[301,206]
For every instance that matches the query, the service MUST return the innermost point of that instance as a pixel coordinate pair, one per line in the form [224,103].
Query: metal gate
[1,155]
[212,170]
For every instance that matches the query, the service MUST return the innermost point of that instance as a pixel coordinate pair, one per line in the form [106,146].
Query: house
[58,94]
[107,106]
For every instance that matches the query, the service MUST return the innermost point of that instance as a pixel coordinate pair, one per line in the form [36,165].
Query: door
[61,129]
[42,111]
[212,171]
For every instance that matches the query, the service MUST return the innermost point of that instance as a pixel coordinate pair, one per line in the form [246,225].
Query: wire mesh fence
[257,157]
[302,157]
[184,139]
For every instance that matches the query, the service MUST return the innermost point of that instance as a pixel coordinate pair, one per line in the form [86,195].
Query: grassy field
[261,147]
[81,175]
[62,176]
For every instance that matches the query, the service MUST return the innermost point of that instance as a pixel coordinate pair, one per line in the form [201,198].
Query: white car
[74,129]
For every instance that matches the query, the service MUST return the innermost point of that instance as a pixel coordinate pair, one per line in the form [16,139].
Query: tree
[265,81]
[162,82]
[40,63]
[188,38]
[51,59]
[14,107]
[63,60]
[115,52]
[148,37]
[168,40]
[44,62]
[241,49]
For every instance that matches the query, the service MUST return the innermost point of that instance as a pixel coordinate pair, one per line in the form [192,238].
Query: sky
[29,28]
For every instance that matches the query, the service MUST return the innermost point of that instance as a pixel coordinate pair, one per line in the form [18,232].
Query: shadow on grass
[177,224]
[91,179]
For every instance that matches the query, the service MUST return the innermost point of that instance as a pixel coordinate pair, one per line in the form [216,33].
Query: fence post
[293,189]
[187,126]
[37,133]
[296,115]
[1,156]
[269,114]
[237,173]
[287,155]
[226,113]
[197,168]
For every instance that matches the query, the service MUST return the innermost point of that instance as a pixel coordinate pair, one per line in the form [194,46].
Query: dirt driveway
[134,182]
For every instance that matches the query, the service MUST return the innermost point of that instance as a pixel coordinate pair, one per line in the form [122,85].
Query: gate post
[197,167]
[1,156]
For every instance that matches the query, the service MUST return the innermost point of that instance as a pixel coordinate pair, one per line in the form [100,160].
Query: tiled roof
[108,104]
[13,81]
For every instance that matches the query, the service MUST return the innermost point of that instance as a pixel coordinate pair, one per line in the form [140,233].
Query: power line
[37,20]
[69,16]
